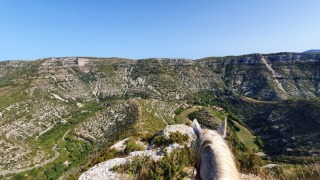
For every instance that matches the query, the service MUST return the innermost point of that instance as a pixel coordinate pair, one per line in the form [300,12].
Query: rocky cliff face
[266,77]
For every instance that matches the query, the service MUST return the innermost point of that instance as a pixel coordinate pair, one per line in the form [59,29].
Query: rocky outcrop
[105,170]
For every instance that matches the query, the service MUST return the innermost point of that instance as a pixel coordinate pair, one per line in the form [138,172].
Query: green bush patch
[171,166]
[175,137]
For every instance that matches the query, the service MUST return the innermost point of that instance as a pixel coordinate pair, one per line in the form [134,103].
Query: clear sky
[33,29]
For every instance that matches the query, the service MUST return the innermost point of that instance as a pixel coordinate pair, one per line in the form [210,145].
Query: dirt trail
[248,99]
[65,135]
[56,155]
[183,116]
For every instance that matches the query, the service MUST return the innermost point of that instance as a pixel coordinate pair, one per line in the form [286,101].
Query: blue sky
[33,29]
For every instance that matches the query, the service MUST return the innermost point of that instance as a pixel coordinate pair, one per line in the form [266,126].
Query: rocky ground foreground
[105,170]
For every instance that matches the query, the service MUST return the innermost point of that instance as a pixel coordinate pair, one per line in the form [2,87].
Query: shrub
[259,142]
[17,177]
[131,146]
[250,162]
[179,138]
[169,167]
[188,123]
[178,111]
[161,141]
[175,137]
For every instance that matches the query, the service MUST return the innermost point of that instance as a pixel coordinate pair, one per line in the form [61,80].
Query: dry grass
[309,172]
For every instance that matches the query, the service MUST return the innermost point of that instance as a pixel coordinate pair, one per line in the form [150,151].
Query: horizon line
[307,51]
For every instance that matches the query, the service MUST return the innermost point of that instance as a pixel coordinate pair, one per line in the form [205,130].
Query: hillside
[312,51]
[59,113]
[288,128]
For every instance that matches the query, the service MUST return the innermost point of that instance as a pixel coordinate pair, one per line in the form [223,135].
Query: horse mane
[216,159]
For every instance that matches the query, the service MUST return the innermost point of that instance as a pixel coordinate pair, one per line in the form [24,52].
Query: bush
[161,141]
[259,142]
[178,111]
[179,138]
[175,137]
[131,146]
[17,177]
[250,162]
[169,167]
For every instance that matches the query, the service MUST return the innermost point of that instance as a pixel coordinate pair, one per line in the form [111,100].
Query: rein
[197,177]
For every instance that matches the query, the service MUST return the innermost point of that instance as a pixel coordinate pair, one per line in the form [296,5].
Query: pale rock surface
[269,166]
[249,177]
[183,129]
[58,97]
[104,170]
[119,145]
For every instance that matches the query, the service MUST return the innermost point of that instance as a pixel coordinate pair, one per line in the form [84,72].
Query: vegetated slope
[257,76]
[41,100]
[172,160]
[288,128]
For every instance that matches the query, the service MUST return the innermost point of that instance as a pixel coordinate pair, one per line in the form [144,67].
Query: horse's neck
[217,161]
